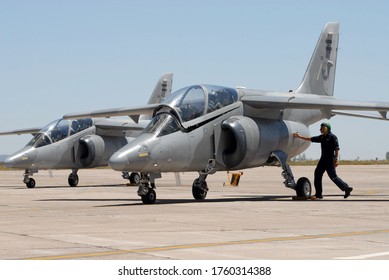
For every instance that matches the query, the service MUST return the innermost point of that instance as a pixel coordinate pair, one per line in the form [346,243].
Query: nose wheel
[30,182]
[147,193]
[150,197]
[146,189]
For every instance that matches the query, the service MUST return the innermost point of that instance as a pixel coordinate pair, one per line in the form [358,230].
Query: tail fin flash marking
[319,77]
[162,89]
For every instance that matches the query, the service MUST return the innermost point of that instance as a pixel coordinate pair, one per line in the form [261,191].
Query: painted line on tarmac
[207,245]
[364,257]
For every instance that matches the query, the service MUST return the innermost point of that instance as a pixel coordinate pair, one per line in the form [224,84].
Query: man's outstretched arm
[297,135]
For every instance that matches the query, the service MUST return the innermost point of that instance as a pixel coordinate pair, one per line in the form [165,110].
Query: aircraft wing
[162,89]
[329,103]
[32,131]
[132,112]
[119,126]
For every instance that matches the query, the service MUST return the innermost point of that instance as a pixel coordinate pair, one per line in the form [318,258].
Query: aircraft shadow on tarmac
[79,187]
[174,201]
[259,198]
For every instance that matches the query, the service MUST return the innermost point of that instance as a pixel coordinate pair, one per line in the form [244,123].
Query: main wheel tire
[31,183]
[303,187]
[199,189]
[150,197]
[73,180]
[134,178]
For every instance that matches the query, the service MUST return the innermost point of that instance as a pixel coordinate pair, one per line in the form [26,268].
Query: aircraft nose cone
[118,163]
[21,159]
[132,157]
[8,162]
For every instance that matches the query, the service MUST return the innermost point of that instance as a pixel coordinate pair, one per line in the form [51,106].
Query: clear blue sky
[58,57]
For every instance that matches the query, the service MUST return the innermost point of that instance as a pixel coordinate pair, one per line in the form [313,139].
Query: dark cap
[326,125]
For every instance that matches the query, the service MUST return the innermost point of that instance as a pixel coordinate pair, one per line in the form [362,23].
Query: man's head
[325,128]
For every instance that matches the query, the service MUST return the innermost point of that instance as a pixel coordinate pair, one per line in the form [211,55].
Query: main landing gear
[30,182]
[134,177]
[73,178]
[199,186]
[303,186]
[146,188]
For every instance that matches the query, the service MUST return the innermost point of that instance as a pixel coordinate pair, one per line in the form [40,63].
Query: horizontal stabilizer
[366,116]
[312,102]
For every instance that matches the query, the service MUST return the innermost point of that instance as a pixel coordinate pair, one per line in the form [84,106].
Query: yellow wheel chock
[233,179]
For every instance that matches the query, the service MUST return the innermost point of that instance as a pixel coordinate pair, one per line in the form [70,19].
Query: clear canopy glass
[58,130]
[162,124]
[190,103]
[195,101]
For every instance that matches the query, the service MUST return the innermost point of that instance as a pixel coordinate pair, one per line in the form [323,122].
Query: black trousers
[330,169]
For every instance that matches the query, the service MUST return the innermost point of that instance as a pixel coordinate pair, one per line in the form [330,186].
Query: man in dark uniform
[328,160]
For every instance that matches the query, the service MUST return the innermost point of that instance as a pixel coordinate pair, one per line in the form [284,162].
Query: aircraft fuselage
[229,138]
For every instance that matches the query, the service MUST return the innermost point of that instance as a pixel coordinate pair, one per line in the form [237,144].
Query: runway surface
[103,218]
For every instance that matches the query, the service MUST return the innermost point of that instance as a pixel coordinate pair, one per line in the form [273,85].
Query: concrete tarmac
[103,218]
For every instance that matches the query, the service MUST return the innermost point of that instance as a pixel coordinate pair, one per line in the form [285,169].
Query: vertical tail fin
[162,89]
[319,77]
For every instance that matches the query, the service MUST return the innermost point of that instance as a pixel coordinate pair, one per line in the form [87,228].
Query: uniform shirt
[329,143]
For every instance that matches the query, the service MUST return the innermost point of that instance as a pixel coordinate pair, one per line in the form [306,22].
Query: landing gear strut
[200,188]
[73,178]
[30,182]
[303,185]
[146,189]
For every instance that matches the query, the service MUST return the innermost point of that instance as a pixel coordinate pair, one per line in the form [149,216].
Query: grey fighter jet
[81,143]
[209,128]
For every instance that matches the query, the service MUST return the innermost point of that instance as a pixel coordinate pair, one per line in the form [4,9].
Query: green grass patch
[341,162]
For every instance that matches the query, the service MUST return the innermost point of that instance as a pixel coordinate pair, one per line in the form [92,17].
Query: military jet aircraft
[209,128]
[82,142]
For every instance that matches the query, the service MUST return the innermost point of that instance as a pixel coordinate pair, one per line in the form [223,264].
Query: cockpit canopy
[58,130]
[190,103]
[196,101]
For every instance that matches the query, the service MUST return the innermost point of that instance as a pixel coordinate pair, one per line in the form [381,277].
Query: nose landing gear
[30,182]
[146,189]
[147,194]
